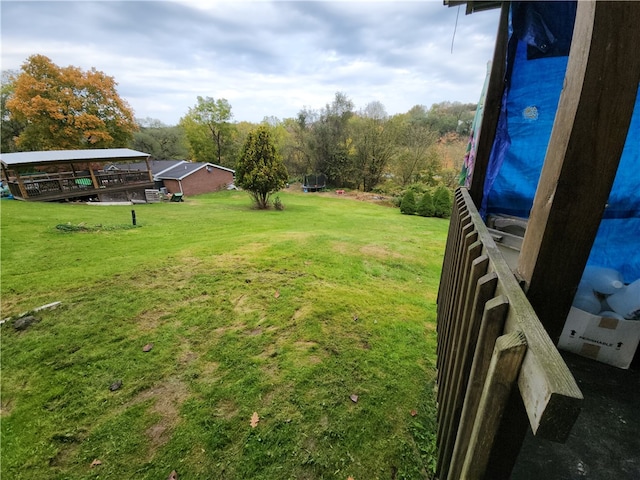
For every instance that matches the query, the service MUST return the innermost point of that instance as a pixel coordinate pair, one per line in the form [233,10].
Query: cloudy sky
[267,58]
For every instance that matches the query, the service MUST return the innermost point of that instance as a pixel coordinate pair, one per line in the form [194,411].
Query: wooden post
[492,105]
[588,136]
[146,160]
[93,177]
[23,191]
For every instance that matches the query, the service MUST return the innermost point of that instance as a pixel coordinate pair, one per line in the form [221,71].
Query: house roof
[157,166]
[185,169]
[66,156]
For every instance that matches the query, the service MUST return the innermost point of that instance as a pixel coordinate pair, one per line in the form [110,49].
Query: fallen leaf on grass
[277,294]
[95,463]
[354,398]
[147,347]
[173,476]
[350,478]
[414,413]
[254,420]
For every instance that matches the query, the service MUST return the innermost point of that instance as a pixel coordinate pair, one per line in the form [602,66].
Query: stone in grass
[23,323]
[115,385]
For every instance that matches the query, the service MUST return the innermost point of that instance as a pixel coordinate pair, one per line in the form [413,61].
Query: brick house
[191,178]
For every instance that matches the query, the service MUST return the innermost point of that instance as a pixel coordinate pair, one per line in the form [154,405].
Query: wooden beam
[146,160]
[23,190]
[588,136]
[492,105]
[503,371]
[94,180]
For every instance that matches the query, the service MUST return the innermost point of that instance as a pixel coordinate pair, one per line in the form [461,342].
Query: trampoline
[314,182]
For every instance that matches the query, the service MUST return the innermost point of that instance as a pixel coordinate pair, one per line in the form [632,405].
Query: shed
[195,178]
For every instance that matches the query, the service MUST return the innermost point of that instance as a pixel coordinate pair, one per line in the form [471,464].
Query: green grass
[283,313]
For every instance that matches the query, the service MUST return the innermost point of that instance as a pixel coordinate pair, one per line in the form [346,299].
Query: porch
[66,185]
[71,174]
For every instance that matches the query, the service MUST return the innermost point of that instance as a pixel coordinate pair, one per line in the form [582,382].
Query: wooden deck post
[94,181]
[23,191]
[146,160]
[492,105]
[588,136]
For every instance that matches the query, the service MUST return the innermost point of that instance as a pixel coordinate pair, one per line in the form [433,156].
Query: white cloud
[268,58]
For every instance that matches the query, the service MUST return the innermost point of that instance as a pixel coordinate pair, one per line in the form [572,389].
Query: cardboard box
[606,340]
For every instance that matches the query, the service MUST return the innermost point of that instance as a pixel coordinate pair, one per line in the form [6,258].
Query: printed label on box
[604,339]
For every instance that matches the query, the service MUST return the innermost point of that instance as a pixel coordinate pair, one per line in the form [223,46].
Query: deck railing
[71,184]
[493,354]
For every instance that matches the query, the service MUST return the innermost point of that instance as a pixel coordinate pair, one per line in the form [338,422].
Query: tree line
[49,107]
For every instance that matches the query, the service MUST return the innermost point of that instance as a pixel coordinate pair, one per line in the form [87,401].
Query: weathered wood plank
[588,136]
[462,244]
[447,276]
[472,249]
[455,311]
[454,395]
[503,371]
[492,325]
[454,221]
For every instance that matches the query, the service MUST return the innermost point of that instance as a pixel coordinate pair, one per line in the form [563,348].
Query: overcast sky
[267,58]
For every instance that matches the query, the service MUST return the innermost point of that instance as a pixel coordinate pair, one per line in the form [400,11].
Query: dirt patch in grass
[227,409]
[150,320]
[5,407]
[342,248]
[187,357]
[379,252]
[240,305]
[309,352]
[220,331]
[302,312]
[167,398]
[271,371]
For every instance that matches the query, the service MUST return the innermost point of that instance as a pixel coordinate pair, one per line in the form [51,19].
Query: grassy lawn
[287,314]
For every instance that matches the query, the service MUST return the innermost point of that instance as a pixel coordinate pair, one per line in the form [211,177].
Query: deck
[69,185]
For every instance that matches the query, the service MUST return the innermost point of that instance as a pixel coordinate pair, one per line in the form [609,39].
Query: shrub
[408,203]
[277,203]
[425,205]
[442,202]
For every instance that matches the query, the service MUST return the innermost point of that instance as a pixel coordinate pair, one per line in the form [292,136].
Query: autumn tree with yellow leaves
[67,108]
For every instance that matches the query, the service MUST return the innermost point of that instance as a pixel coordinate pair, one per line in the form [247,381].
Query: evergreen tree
[408,203]
[442,202]
[425,206]
[260,169]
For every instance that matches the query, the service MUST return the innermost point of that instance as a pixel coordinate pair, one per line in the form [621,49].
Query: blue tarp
[536,65]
